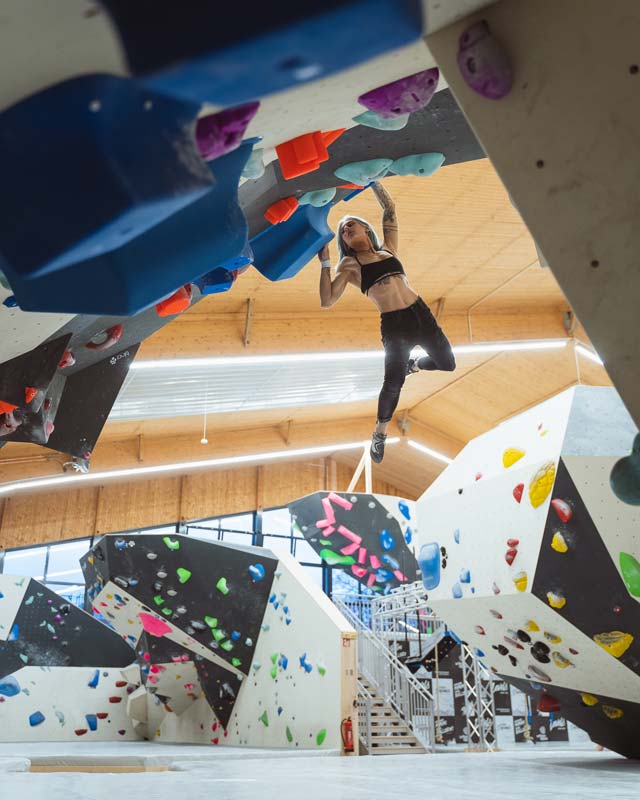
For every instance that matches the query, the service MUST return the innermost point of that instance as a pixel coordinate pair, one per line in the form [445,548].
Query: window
[30,561]
[276,521]
[304,553]
[278,544]
[315,573]
[64,562]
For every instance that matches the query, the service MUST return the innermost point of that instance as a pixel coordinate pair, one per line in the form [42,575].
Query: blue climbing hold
[408,535]
[273,598]
[456,591]
[283,661]
[363,172]
[9,686]
[429,563]
[318,198]
[456,536]
[254,168]
[235,635]
[465,575]
[383,575]
[92,721]
[421,165]
[404,509]
[387,541]
[37,718]
[215,282]
[257,572]
[94,680]
[10,302]
[14,634]
[373,120]
[390,561]
[479,653]
[305,664]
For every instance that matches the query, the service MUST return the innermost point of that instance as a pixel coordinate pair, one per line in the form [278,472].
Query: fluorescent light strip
[185,466]
[586,353]
[429,452]
[358,355]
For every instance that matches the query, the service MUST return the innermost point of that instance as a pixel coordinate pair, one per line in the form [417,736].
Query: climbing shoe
[377,446]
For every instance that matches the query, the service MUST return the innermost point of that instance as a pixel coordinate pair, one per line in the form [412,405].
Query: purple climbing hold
[483,62]
[403,96]
[219,134]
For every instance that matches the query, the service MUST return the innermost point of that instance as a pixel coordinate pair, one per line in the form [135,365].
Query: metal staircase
[384,731]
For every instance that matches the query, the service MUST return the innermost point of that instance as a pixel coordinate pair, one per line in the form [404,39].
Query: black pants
[401,332]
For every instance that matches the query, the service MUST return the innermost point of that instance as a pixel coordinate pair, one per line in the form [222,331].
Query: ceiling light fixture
[184,466]
[429,452]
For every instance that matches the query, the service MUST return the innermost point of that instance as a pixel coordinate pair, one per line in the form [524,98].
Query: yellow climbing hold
[521,581]
[589,699]
[612,712]
[558,543]
[560,661]
[556,600]
[532,626]
[552,637]
[616,643]
[542,484]
[510,456]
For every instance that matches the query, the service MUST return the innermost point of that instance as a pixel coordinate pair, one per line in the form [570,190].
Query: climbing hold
[495,588]
[94,680]
[228,646]
[465,575]
[456,536]
[364,172]
[172,544]
[456,591]
[495,613]
[220,133]
[552,637]
[408,535]
[105,339]
[520,581]
[289,734]
[49,428]
[373,120]
[548,704]
[562,509]
[29,393]
[403,96]
[510,456]
[560,661]
[429,563]
[322,669]
[37,718]
[175,303]
[305,664]
[257,572]
[67,360]
[318,198]
[264,719]
[513,542]
[335,559]
[305,153]
[541,484]
[92,721]
[612,712]
[510,555]
[221,586]
[539,674]
[387,541]
[281,210]
[10,302]
[6,408]
[9,686]
[403,508]
[616,643]
[321,737]
[589,699]
[421,165]
[254,168]
[556,600]
[483,62]
[630,568]
[183,574]
[625,476]
[559,543]
[517,492]
[153,625]
[479,630]
[532,626]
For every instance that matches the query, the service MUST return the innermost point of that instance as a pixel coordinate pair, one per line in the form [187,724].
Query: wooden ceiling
[465,250]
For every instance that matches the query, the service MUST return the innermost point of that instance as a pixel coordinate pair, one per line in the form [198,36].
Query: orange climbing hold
[29,393]
[6,408]
[281,210]
[178,302]
[305,153]
[350,186]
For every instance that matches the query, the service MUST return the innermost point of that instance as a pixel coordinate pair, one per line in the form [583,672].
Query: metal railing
[365,705]
[408,696]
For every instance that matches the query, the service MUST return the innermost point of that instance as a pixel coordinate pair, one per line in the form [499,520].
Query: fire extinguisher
[346,731]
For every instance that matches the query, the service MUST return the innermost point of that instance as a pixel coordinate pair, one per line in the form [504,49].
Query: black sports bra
[377,270]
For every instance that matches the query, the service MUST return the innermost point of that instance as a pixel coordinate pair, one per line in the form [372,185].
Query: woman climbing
[405,319]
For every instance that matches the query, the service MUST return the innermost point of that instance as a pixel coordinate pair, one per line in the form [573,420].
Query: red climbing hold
[6,408]
[178,302]
[513,542]
[562,509]
[478,475]
[29,393]
[281,210]
[67,360]
[115,699]
[102,715]
[517,492]
[106,339]
[495,613]
[49,428]
[548,704]
[80,731]
[479,630]
[350,186]
[305,153]
[510,556]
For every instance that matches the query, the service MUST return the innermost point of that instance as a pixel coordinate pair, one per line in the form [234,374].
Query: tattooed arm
[389,219]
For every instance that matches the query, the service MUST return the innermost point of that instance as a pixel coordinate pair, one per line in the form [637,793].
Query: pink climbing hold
[400,576]
[362,555]
[350,549]
[49,428]
[340,501]
[353,537]
[328,509]
[403,96]
[483,62]
[324,524]
[219,134]
[67,360]
[154,625]
[359,572]
[562,509]
[371,580]
[374,561]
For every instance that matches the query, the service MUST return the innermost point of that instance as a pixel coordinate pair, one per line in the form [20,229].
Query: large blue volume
[187,245]
[89,164]
[228,54]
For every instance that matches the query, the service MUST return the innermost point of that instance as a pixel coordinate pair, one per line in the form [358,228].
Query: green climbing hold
[218,635]
[630,568]
[172,544]
[275,657]
[222,587]
[322,669]
[264,719]
[183,574]
[236,661]
[322,735]
[273,672]
[335,559]
[228,645]
[289,734]
[158,600]
[212,622]
[167,611]
[325,542]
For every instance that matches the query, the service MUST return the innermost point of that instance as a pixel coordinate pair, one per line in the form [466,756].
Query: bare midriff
[392,293]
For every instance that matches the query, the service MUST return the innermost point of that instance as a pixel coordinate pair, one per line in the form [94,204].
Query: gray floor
[528,774]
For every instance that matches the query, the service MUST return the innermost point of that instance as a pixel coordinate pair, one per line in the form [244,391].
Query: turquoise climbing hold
[318,198]
[422,164]
[363,172]
[373,120]
[625,476]
[254,168]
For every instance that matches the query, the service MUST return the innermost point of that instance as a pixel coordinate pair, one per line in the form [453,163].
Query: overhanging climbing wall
[235,645]
[530,558]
